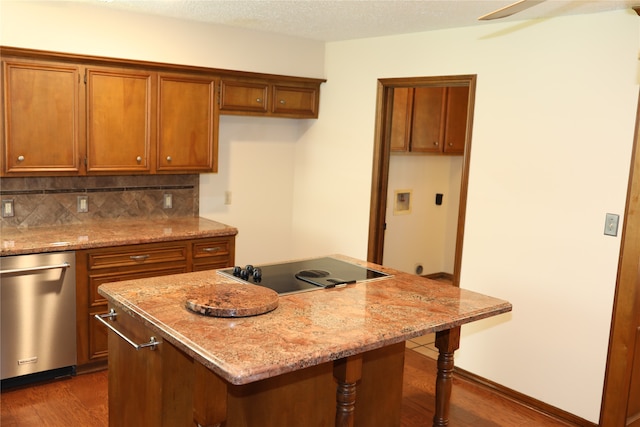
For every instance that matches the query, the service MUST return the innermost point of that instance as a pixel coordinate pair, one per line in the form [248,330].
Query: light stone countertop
[29,240]
[305,329]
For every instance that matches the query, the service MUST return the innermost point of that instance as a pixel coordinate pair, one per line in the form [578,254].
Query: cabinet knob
[168,158]
[282,101]
[258,100]
[451,144]
[20,158]
[138,159]
[435,143]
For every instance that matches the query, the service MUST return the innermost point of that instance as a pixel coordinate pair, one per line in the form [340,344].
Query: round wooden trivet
[232,300]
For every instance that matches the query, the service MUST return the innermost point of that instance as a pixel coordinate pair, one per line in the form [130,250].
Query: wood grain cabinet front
[209,254]
[276,99]
[66,114]
[114,264]
[243,96]
[41,120]
[429,120]
[298,101]
[119,108]
[187,124]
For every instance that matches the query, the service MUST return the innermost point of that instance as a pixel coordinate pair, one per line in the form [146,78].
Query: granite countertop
[28,240]
[305,329]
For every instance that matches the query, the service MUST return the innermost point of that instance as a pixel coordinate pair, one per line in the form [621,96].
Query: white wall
[74,27]
[553,130]
[425,235]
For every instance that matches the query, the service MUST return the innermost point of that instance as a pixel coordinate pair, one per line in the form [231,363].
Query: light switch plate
[611,224]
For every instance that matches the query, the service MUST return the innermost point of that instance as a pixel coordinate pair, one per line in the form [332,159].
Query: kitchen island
[320,358]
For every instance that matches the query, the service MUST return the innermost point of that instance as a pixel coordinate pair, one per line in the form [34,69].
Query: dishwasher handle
[33,269]
[152,344]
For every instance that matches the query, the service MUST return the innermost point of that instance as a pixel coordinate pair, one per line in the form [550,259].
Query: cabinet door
[427,126]
[401,118]
[291,101]
[97,339]
[41,118]
[456,119]
[243,96]
[187,124]
[119,109]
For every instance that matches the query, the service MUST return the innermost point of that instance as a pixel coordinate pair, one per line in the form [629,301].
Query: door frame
[382,153]
[624,344]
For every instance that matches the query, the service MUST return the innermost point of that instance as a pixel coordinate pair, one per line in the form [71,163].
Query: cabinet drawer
[137,256]
[215,248]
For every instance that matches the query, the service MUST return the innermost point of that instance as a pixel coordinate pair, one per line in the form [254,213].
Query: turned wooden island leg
[209,398]
[447,343]
[348,372]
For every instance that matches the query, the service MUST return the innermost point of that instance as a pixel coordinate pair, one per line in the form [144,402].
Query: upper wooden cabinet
[187,124]
[41,119]
[427,130]
[66,114]
[132,114]
[429,119]
[119,107]
[278,99]
[242,96]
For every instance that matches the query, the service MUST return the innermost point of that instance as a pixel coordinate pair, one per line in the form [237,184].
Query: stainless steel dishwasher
[37,317]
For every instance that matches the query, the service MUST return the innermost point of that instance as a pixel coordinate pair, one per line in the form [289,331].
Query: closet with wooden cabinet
[429,119]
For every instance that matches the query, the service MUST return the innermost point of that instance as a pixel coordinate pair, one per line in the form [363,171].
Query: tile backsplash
[41,201]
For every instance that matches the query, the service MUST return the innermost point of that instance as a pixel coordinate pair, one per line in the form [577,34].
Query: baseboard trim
[524,400]
[440,275]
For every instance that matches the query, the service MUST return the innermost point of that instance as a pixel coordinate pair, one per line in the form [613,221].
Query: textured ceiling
[345,19]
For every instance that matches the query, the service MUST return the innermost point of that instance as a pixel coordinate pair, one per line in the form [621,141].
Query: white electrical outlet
[83,204]
[7,209]
[167,201]
[227,197]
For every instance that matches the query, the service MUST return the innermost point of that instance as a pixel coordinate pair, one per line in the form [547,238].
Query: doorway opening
[382,157]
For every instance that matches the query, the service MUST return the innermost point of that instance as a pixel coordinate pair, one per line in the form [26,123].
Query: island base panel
[166,387]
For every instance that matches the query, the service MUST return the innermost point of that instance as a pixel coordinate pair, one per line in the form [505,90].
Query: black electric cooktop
[306,275]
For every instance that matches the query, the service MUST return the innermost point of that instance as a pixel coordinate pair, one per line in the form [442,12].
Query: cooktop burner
[306,275]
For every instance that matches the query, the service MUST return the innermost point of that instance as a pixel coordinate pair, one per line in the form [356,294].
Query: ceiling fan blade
[509,10]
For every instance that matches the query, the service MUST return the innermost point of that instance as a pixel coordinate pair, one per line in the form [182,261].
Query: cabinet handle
[214,249]
[435,143]
[282,101]
[138,159]
[258,100]
[20,158]
[152,344]
[168,158]
[139,257]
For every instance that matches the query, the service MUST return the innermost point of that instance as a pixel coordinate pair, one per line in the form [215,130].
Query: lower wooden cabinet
[114,264]
[180,391]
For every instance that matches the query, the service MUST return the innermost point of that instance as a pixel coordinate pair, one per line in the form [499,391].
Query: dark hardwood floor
[82,402]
